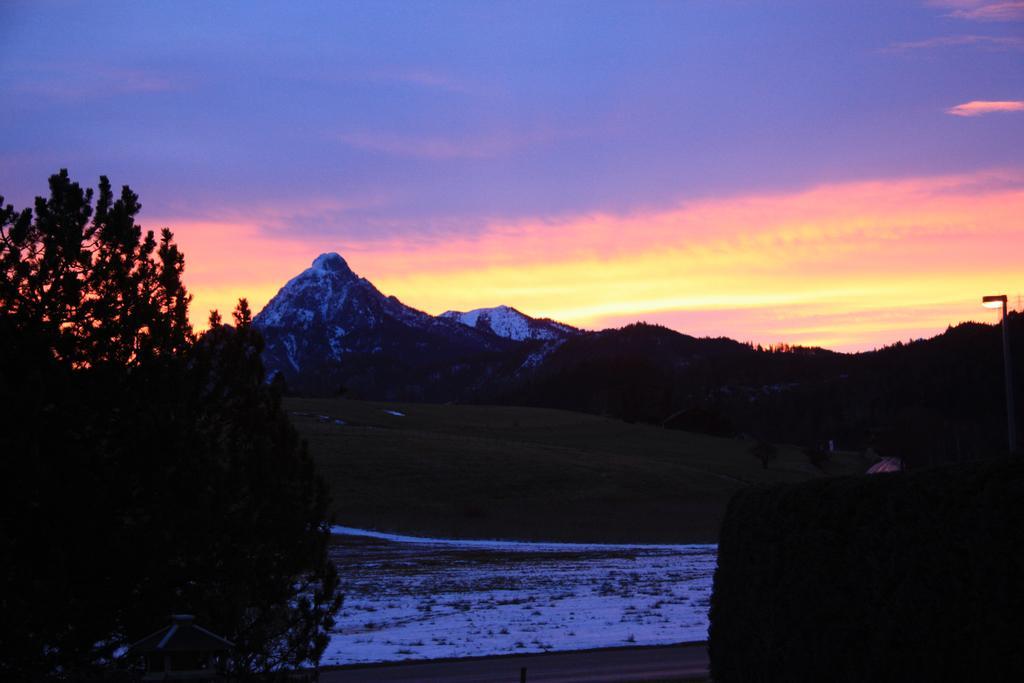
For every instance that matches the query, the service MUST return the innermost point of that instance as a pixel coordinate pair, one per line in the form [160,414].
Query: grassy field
[525,473]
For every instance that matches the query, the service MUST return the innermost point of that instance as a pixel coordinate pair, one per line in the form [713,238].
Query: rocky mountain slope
[329,330]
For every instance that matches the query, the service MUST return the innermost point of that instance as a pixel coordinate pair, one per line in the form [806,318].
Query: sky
[842,174]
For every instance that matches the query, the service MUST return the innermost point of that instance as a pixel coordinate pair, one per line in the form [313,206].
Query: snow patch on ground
[520,546]
[408,597]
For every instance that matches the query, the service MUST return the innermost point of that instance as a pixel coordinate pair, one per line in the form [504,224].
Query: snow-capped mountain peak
[510,323]
[331,262]
[327,327]
[316,295]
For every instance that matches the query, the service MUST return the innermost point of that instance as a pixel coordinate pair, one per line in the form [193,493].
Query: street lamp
[999,301]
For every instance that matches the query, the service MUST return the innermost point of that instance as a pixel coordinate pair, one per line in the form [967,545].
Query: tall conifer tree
[143,471]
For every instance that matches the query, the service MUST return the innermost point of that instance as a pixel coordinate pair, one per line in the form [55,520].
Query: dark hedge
[892,577]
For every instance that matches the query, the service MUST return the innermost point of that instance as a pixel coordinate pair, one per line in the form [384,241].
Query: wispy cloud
[984,10]
[424,78]
[998,43]
[441,148]
[424,147]
[413,77]
[982,107]
[78,82]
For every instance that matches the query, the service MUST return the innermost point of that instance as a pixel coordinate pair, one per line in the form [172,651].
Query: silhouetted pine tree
[142,471]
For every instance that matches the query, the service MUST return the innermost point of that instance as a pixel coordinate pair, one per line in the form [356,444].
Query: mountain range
[329,331]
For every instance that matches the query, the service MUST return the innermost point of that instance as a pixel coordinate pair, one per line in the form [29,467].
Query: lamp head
[995,301]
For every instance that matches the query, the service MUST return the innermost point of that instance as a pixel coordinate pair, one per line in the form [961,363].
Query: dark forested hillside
[938,399]
[639,372]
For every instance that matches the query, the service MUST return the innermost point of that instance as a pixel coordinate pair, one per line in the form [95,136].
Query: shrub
[816,455]
[903,577]
[765,452]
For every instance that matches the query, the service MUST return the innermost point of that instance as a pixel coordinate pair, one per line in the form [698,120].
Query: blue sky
[356,123]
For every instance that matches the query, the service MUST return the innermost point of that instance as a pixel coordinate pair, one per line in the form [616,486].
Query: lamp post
[999,301]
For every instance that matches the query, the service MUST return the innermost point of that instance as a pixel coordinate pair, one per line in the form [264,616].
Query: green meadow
[473,471]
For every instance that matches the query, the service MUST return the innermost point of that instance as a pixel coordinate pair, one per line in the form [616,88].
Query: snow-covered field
[415,598]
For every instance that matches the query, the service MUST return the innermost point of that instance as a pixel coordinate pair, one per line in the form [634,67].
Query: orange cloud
[850,265]
[980,107]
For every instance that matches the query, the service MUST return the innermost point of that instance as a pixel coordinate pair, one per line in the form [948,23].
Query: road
[633,665]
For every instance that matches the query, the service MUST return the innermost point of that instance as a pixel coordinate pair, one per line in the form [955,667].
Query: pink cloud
[981,107]
[984,10]
[986,42]
[78,82]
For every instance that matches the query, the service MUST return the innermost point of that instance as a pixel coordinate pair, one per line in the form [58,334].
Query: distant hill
[935,400]
[639,372]
[328,331]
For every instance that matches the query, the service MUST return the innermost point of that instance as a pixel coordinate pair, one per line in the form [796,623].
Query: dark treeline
[143,471]
[928,401]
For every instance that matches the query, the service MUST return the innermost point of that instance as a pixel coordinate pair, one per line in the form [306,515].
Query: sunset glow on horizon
[848,266]
[844,176]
